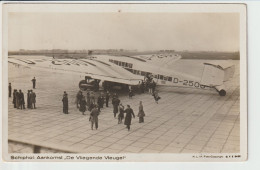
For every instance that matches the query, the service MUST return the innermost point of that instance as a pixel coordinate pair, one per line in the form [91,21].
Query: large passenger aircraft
[127,71]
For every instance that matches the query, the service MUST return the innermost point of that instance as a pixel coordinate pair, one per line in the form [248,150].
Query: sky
[132,31]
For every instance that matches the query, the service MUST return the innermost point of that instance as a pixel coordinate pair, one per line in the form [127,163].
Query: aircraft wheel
[81,85]
[222,92]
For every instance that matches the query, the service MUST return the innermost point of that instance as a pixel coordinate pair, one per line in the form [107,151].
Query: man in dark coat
[17,99]
[107,98]
[128,117]
[115,102]
[29,105]
[94,117]
[79,98]
[32,99]
[65,102]
[99,102]
[34,82]
[83,104]
[10,90]
[21,99]
[102,100]
[14,98]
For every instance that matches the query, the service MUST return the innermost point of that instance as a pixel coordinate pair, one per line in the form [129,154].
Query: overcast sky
[141,31]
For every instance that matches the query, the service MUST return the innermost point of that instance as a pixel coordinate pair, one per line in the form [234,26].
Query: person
[142,87]
[65,102]
[92,98]
[79,98]
[121,113]
[115,103]
[34,82]
[21,99]
[141,113]
[107,98]
[88,99]
[17,99]
[33,99]
[156,96]
[153,86]
[14,98]
[150,86]
[10,90]
[29,104]
[99,102]
[102,100]
[82,106]
[128,117]
[130,93]
[94,117]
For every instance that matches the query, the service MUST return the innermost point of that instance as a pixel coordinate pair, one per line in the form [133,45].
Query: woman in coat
[128,117]
[141,113]
[82,106]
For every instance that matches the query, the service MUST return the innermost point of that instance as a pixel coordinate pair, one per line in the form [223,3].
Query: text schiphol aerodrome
[69,157]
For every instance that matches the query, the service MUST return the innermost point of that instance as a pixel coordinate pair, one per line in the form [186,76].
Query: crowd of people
[19,99]
[91,104]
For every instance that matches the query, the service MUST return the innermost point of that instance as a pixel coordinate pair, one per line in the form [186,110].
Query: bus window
[123,64]
[134,71]
[165,78]
[156,76]
[143,73]
[126,64]
[116,62]
[130,65]
[169,78]
[138,72]
[120,63]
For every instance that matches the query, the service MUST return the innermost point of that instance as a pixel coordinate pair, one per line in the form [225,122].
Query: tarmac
[184,121]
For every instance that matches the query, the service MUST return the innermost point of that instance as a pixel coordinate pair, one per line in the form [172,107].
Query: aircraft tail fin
[216,74]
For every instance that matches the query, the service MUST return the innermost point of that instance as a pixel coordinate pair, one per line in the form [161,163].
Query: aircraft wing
[160,59]
[86,67]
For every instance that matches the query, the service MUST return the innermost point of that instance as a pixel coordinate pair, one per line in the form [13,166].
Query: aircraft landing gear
[222,92]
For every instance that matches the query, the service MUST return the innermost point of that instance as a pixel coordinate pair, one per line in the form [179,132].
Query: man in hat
[21,99]
[94,117]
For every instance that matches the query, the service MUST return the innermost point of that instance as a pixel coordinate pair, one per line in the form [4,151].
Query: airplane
[124,71]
